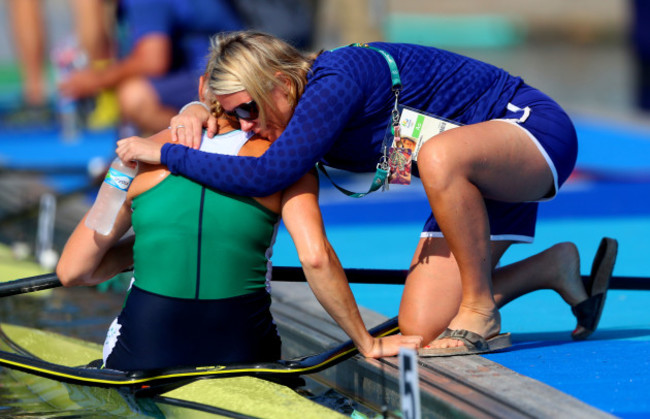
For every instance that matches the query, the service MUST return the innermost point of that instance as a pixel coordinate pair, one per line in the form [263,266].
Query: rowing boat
[232,396]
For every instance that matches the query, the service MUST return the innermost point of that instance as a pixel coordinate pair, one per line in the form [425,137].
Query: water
[78,312]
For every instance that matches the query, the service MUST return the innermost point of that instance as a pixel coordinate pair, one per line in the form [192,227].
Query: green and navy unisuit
[219,244]
[199,295]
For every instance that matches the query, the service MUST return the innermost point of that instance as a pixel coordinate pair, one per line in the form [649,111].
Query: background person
[163,57]
[640,36]
[28,29]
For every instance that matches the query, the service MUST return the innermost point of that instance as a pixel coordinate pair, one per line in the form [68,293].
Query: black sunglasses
[247,111]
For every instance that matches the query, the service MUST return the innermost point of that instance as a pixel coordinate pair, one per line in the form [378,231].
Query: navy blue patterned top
[343,114]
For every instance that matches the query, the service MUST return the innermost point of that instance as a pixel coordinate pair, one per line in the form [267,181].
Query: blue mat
[46,151]
[64,163]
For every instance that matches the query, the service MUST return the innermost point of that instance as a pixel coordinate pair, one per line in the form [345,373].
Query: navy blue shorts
[155,331]
[550,128]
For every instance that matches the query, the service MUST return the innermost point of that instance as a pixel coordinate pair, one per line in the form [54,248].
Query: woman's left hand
[139,149]
[187,127]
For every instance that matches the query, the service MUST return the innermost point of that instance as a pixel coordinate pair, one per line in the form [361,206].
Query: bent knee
[438,164]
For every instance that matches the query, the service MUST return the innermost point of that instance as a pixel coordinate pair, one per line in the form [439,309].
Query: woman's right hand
[187,127]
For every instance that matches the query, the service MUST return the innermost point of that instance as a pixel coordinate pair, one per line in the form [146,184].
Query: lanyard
[382,167]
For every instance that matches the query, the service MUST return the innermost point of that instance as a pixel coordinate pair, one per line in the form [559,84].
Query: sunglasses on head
[247,111]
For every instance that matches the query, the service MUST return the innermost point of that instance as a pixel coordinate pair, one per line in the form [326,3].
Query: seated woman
[200,267]
[199,294]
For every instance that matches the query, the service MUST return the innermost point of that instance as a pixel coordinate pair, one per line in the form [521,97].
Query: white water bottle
[112,194]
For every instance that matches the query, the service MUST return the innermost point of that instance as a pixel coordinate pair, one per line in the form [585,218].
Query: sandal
[589,311]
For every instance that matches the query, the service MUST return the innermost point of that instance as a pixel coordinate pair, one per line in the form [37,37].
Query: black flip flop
[589,311]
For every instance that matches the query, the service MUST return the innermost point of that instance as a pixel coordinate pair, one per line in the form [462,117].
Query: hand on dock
[390,345]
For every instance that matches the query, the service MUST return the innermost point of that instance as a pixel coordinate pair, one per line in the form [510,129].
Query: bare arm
[324,272]
[89,258]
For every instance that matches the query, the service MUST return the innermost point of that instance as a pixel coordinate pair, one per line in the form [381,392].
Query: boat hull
[227,397]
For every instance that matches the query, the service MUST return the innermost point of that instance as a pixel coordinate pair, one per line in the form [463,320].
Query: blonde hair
[251,61]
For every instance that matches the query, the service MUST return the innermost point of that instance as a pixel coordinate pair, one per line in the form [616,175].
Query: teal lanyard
[382,167]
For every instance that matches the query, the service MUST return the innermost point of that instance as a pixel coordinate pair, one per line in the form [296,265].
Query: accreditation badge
[415,128]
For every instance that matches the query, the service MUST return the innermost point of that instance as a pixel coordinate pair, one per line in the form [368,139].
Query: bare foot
[484,322]
[567,280]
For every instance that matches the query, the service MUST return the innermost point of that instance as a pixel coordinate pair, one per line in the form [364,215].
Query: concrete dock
[464,386]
